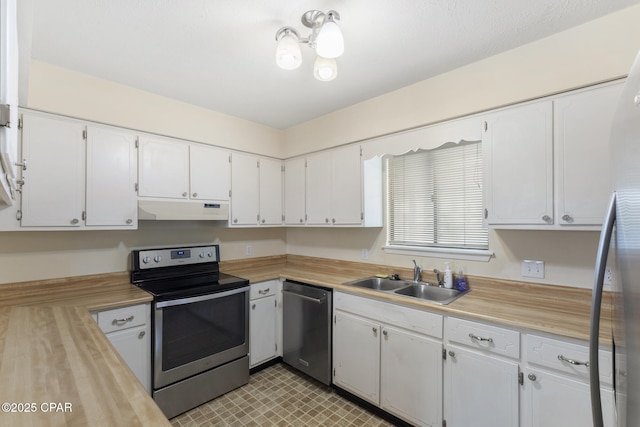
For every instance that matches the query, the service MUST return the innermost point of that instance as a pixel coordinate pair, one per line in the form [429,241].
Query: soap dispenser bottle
[448,279]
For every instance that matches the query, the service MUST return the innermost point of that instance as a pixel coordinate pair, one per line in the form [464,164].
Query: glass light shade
[288,55]
[330,43]
[325,69]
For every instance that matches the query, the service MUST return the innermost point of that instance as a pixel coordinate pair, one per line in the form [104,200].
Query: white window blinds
[435,198]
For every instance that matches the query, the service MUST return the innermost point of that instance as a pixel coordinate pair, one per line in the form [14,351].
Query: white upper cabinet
[209,173]
[334,187]
[256,190]
[111,178]
[8,96]
[163,168]
[53,190]
[294,191]
[270,172]
[70,184]
[583,154]
[518,158]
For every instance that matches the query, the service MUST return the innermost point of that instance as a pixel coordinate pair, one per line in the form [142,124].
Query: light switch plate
[533,268]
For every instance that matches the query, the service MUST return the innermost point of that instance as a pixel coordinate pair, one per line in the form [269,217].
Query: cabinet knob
[194,195]
[375,330]
[532,377]
[184,194]
[74,221]
[235,220]
[129,221]
[567,218]
[253,306]
[326,220]
[141,334]
[262,221]
[546,218]
[301,221]
[333,220]
[452,353]
[385,333]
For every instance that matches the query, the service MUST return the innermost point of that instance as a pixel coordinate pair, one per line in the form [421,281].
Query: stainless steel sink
[406,288]
[430,293]
[378,284]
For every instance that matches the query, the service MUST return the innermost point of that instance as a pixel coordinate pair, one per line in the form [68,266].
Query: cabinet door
[262,330]
[8,95]
[163,165]
[111,178]
[209,173]
[518,161]
[245,190]
[294,191]
[583,154]
[554,400]
[346,189]
[270,191]
[319,189]
[480,390]
[53,193]
[411,377]
[356,356]
[134,347]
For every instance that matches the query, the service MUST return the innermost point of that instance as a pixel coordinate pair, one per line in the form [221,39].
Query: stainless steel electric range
[200,321]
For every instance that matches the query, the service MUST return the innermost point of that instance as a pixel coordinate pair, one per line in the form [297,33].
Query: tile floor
[279,396]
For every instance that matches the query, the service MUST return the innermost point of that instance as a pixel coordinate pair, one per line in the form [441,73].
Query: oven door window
[197,330]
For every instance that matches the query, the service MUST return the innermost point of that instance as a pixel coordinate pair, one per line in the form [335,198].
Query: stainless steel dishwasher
[307,329]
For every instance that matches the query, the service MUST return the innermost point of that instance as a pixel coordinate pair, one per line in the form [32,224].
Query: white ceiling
[219,54]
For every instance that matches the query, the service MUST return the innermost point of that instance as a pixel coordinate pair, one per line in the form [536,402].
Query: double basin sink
[419,290]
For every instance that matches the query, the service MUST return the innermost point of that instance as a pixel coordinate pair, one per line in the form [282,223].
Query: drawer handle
[120,322]
[477,338]
[263,291]
[571,361]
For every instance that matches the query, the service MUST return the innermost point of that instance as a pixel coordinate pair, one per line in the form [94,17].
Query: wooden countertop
[58,365]
[552,309]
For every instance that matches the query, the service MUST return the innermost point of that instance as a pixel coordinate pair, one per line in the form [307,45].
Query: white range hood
[175,210]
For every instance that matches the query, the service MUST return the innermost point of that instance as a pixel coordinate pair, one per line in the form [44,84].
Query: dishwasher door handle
[316,300]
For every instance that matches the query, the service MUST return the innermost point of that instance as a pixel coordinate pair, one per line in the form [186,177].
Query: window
[434,198]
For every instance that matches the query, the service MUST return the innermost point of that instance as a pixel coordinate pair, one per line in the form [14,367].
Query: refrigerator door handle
[601,265]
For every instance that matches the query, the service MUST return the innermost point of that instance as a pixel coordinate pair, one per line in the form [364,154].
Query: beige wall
[62,91]
[599,50]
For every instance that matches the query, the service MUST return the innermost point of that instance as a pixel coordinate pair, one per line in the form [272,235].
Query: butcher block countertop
[57,367]
[552,309]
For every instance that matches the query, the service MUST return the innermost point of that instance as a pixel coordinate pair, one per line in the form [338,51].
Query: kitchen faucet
[416,272]
[435,270]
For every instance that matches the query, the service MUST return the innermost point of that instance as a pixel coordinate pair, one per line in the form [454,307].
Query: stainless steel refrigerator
[620,238]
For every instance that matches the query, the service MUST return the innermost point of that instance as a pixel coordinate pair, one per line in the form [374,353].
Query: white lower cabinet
[265,322]
[129,331]
[556,384]
[391,361]
[481,382]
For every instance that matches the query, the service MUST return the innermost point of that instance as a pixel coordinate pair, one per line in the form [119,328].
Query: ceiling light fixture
[325,38]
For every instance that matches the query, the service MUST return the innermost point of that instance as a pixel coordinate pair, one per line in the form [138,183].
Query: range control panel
[168,257]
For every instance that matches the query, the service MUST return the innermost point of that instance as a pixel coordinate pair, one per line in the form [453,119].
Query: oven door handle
[199,298]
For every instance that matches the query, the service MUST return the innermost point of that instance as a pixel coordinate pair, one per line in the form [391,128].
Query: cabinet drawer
[264,289]
[122,318]
[491,339]
[566,357]
[393,314]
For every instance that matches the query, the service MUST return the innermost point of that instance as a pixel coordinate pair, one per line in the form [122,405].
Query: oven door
[195,334]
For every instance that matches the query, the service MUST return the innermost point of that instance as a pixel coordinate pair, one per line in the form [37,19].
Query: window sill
[483,255]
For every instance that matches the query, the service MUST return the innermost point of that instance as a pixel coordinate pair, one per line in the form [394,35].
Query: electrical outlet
[365,254]
[249,250]
[608,276]
[533,268]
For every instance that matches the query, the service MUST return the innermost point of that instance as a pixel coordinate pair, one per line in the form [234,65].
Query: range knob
[201,255]
[210,254]
[146,260]
[157,258]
